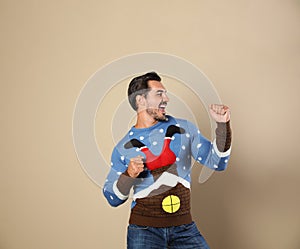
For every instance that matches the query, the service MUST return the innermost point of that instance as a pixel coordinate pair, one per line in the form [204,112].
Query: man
[154,158]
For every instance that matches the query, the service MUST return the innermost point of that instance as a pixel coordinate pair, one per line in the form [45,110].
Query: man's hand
[220,113]
[136,166]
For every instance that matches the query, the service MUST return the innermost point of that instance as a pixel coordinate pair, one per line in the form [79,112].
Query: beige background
[250,51]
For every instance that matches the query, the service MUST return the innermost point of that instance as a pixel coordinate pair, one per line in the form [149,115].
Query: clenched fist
[136,166]
[220,113]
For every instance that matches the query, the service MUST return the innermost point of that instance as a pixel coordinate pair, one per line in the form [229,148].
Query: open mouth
[162,108]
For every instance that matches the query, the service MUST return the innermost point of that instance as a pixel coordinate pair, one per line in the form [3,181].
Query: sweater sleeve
[212,154]
[125,183]
[223,136]
[118,182]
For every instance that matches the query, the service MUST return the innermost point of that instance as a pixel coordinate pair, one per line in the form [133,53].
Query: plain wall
[250,50]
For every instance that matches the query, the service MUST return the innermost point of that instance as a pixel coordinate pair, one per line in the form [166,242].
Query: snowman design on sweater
[162,191]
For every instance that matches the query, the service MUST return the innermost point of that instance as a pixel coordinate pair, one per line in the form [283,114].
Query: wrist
[131,175]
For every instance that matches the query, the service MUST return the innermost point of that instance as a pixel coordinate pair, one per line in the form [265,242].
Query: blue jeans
[177,237]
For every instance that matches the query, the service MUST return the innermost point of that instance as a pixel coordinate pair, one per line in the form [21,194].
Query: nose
[165,97]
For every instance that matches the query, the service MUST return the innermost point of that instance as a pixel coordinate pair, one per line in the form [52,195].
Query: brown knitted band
[148,211]
[125,182]
[223,136]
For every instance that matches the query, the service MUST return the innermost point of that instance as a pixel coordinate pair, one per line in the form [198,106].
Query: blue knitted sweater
[161,194]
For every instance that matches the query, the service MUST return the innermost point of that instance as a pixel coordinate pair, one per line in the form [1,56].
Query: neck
[144,120]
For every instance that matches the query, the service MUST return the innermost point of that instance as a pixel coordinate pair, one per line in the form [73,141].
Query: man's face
[156,100]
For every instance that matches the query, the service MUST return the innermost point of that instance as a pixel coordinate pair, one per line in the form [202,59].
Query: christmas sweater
[161,193]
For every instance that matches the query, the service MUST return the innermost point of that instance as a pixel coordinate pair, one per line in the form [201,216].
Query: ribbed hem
[125,182]
[223,136]
[160,221]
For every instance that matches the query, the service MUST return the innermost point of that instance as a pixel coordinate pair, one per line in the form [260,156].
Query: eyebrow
[161,91]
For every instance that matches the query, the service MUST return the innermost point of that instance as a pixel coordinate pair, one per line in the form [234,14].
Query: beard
[156,114]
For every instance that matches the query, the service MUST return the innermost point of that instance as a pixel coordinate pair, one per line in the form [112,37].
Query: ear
[140,101]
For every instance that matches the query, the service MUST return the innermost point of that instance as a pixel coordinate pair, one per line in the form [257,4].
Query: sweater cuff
[124,183]
[223,136]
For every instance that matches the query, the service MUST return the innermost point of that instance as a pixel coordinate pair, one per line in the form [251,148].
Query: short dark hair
[139,86]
